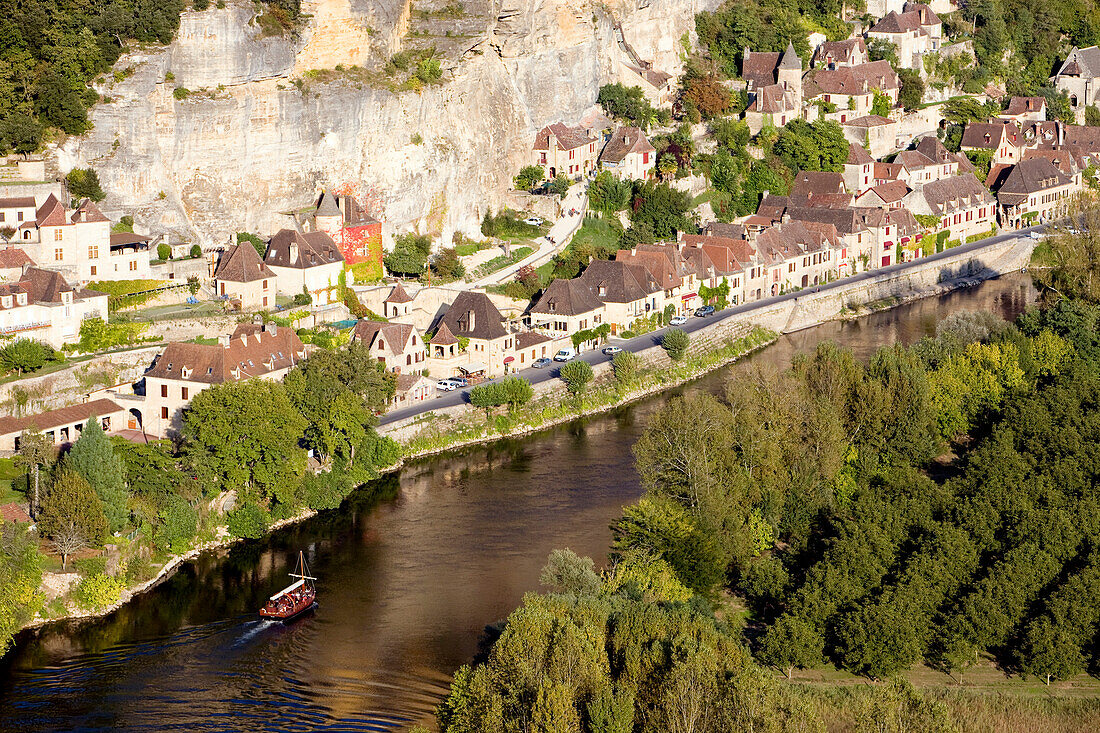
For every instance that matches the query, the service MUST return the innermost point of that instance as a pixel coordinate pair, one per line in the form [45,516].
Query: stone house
[628,154]
[491,346]
[183,370]
[666,267]
[308,262]
[729,256]
[836,54]
[965,207]
[1077,79]
[64,425]
[1035,191]
[851,89]
[13,263]
[397,346]
[1025,109]
[412,388]
[1005,139]
[627,291]
[397,303]
[915,31]
[657,85]
[859,169]
[78,243]
[566,307]
[244,279]
[877,134]
[888,195]
[774,84]
[565,151]
[357,234]
[532,346]
[797,256]
[42,306]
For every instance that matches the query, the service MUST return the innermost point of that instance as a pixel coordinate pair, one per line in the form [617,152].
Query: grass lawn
[599,234]
[8,472]
[166,312]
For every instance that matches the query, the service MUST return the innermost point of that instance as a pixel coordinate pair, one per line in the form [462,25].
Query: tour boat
[294,600]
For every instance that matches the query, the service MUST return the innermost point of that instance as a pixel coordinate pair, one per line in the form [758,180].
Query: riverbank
[712,348]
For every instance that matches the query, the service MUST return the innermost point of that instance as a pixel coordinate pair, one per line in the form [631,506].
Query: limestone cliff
[259,134]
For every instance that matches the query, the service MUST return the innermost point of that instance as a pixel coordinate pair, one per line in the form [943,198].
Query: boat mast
[304,575]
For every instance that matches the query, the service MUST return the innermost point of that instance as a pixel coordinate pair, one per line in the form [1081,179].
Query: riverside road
[638,343]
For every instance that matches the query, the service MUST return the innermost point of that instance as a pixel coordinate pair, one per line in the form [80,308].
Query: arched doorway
[133,420]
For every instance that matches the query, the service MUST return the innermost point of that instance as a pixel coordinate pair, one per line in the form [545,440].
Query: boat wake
[251,629]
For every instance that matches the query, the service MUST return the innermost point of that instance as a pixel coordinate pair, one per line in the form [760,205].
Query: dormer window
[7,301]
[21,299]
[169,367]
[209,371]
[551,306]
[185,372]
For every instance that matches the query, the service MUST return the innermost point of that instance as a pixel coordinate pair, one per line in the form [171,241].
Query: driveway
[560,234]
[458,397]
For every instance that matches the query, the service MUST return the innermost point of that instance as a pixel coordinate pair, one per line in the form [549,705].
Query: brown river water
[410,569]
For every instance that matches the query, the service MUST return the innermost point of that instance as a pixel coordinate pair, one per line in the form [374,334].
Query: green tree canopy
[93,458]
[72,515]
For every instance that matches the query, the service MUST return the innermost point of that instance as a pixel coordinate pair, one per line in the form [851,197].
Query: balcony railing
[17,328]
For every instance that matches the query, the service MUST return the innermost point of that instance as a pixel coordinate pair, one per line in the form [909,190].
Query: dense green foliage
[20,575]
[410,254]
[27,355]
[83,183]
[576,374]
[93,458]
[630,105]
[829,499]
[528,177]
[675,342]
[511,391]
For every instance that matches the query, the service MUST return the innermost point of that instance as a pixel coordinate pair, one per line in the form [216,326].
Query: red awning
[509,360]
[689,296]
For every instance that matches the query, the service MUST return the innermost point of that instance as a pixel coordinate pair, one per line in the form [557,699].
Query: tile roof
[654,77]
[394,335]
[624,141]
[119,239]
[51,213]
[45,286]
[729,254]
[13,257]
[527,339]
[290,248]
[722,229]
[892,191]
[856,80]
[810,184]
[87,212]
[14,513]
[1083,62]
[1025,105]
[931,147]
[567,298]
[1063,158]
[253,351]
[473,315]
[241,264]
[868,121]
[858,155]
[913,160]
[16,202]
[398,295]
[773,99]
[58,418]
[840,51]
[1028,177]
[327,205]
[443,336]
[758,67]
[567,137]
[661,261]
[614,281]
[954,192]
[790,59]
[990,135]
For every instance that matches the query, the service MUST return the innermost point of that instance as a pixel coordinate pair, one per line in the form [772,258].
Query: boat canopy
[288,589]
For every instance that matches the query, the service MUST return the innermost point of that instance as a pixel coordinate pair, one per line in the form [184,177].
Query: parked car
[612,350]
[541,363]
[460,381]
[446,385]
[705,311]
[533,221]
[678,320]
[566,354]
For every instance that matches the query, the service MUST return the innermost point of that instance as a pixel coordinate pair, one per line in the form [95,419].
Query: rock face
[259,135]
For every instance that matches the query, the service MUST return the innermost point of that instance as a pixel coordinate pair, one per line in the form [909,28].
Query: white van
[566,354]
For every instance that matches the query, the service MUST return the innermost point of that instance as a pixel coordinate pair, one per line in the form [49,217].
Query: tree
[576,374]
[626,103]
[626,366]
[879,49]
[486,397]
[662,209]
[911,93]
[196,251]
[409,255]
[446,264]
[567,572]
[608,193]
[245,436]
[792,642]
[1074,272]
[528,177]
[93,458]
[20,577]
[812,146]
[83,183]
[982,160]
[258,244]
[26,355]
[961,110]
[516,391]
[708,95]
[20,132]
[559,186]
[72,515]
[675,342]
[164,252]
[35,451]
[881,105]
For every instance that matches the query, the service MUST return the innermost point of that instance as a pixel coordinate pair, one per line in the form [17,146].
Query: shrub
[98,335]
[178,522]
[84,184]
[576,374]
[529,176]
[626,365]
[164,252]
[90,566]
[96,592]
[196,251]
[26,355]
[675,342]
[249,520]
[181,92]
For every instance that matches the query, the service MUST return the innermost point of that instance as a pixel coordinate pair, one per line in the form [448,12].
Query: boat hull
[289,611]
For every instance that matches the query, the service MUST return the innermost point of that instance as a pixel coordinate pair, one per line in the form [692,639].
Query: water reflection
[410,571]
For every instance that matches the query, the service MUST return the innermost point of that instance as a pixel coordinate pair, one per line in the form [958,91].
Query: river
[411,570]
